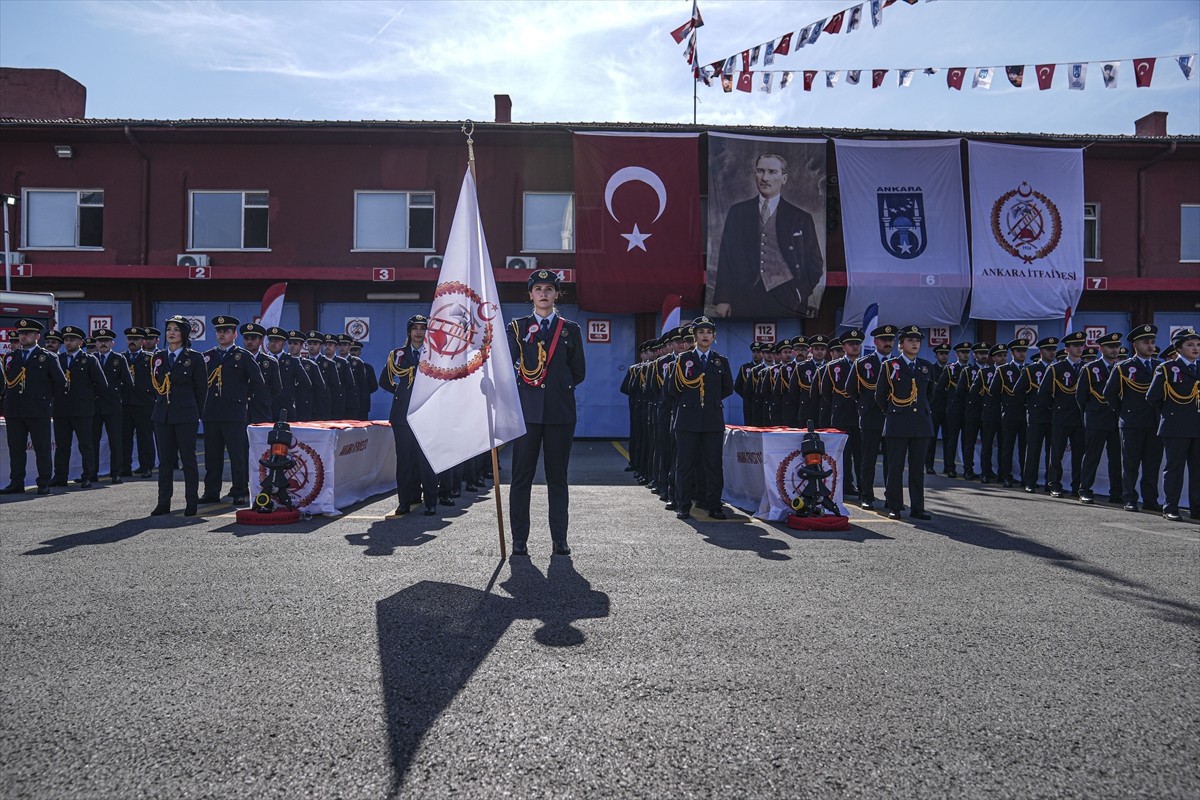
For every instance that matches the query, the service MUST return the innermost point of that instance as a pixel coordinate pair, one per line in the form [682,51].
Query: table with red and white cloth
[761,468]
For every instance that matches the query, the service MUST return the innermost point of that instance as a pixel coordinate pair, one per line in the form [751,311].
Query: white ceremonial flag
[464,401]
[905,231]
[1026,231]
[983,78]
[831,78]
[1077,76]
[905,78]
[272,305]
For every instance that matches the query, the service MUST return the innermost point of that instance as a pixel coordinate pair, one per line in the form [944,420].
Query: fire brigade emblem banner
[905,231]
[1026,231]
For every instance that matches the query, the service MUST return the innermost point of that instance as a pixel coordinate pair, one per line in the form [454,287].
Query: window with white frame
[549,222]
[1189,233]
[62,219]
[229,221]
[1091,231]
[390,221]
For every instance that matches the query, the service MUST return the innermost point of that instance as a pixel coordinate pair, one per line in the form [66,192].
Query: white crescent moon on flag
[627,174]
[1044,71]
[1143,67]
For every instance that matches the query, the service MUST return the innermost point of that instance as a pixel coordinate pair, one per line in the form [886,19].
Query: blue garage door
[603,410]
[1165,320]
[90,314]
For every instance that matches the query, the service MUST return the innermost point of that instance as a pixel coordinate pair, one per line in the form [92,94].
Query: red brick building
[110,209]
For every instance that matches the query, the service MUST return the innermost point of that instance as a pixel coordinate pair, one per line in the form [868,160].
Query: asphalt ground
[1015,646]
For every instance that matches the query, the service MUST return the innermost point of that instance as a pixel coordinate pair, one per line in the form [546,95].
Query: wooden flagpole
[491,424]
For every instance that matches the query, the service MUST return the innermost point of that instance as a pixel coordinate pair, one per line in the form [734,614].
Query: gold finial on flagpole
[470,142]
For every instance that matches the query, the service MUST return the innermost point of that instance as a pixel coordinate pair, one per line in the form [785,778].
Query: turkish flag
[809,76]
[682,31]
[1045,73]
[1143,72]
[745,82]
[785,44]
[638,221]
[835,23]
[954,77]
[877,77]
[745,61]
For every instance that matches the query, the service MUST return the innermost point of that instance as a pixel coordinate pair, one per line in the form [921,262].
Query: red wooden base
[280,516]
[829,523]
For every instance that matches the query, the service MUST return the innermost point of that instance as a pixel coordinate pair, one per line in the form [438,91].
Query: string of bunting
[981,77]
[846,21]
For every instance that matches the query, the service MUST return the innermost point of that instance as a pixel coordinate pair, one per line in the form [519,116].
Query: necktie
[171,358]
[764,213]
[545,326]
[703,361]
[104,360]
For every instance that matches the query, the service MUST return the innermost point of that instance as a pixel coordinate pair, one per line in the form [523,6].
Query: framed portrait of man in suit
[766,227]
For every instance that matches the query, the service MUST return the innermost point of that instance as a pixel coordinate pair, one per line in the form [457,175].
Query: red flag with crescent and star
[1143,71]
[638,218]
[954,77]
[1045,73]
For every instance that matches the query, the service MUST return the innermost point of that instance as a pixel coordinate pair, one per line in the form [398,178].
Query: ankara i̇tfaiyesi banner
[638,217]
[905,231]
[1026,231]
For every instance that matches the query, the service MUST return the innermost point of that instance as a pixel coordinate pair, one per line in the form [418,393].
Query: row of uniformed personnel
[170,391]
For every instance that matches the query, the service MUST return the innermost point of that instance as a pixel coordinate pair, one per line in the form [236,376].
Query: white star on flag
[636,239]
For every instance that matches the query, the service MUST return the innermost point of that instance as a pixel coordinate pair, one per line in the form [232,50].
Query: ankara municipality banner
[905,231]
[766,226]
[1026,231]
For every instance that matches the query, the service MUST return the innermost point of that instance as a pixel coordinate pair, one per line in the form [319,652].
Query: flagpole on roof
[468,130]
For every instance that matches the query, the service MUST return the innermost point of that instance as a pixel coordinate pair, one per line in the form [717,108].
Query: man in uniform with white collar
[1175,392]
[31,377]
[1141,448]
[76,407]
[233,378]
[415,478]
[109,403]
[1057,392]
[903,392]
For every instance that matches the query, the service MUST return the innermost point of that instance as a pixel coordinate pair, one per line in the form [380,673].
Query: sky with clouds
[604,61]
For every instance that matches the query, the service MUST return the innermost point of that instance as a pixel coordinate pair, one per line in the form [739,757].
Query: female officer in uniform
[180,379]
[548,355]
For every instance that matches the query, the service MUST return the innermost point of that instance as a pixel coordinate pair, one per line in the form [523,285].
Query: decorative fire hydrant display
[274,489]
[813,509]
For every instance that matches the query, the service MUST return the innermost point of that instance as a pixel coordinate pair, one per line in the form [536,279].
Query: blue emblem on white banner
[902,223]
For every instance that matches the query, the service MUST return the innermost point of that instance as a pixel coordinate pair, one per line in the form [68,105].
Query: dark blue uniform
[31,378]
[332,405]
[414,475]
[700,382]
[1037,422]
[294,383]
[233,377]
[263,401]
[364,379]
[1057,392]
[1141,447]
[548,404]
[73,414]
[1013,423]
[843,415]
[180,386]
[1100,429]
[861,388]
[1175,392]
[110,411]
[135,417]
[903,393]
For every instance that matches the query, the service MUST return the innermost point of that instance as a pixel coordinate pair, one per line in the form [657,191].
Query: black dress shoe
[445,500]
[868,505]
[208,498]
[1030,489]
[61,482]
[13,489]
[1006,483]
[850,491]
[472,487]
[717,513]
[430,511]
[672,506]
[925,515]
[456,492]
[1086,498]
[930,471]
[950,474]
[1171,515]
[160,509]
[400,511]
[239,501]
[561,549]
[986,479]
[145,474]
[683,513]
[520,549]
[1131,507]
[629,469]
[189,510]
[893,515]
[85,484]
[1056,493]
[43,490]
[117,479]
[970,476]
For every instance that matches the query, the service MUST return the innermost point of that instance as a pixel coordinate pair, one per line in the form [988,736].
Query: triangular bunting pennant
[1045,76]
[954,77]
[765,85]
[906,76]
[855,19]
[1016,74]
[852,76]
[1108,71]
[982,79]
[785,80]
[784,46]
[876,13]
[877,77]
[1185,64]
[769,54]
[809,76]
[835,22]
[746,82]
[1143,72]
[831,78]
[1077,76]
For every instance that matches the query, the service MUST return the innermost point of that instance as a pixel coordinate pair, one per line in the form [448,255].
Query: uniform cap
[1078,337]
[785,344]
[1060,355]
[135,333]
[152,332]
[799,341]
[755,347]
[104,334]
[418,319]
[345,338]
[295,336]
[853,336]
[980,347]
[89,342]
[674,335]
[252,328]
[818,339]
[1113,339]
[55,335]
[69,330]
[835,342]
[29,326]
[543,276]
[1184,335]
[314,336]
[884,332]
[1124,351]
[1049,341]
[998,349]
[178,319]
[329,338]
[1169,353]
[689,331]
[225,322]
[276,332]
[1018,344]
[942,348]
[910,332]
[703,323]
[962,347]
[1091,352]
[1142,332]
